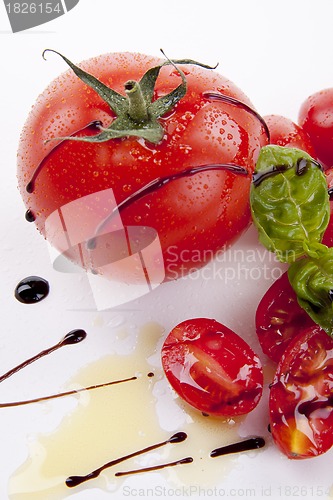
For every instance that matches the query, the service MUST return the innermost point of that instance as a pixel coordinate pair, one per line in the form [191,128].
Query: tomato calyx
[137,114]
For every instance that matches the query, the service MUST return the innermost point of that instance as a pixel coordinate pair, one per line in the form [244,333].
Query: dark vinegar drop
[29,216]
[74,337]
[178,437]
[31,290]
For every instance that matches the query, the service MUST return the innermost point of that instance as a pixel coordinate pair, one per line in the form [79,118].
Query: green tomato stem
[137,109]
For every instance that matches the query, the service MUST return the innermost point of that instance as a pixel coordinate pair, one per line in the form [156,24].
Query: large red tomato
[192,213]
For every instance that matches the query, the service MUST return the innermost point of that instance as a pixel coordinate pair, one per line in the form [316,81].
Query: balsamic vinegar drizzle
[73,481]
[330,193]
[249,444]
[31,290]
[301,167]
[94,125]
[157,184]
[67,393]
[215,96]
[73,337]
[187,460]
[252,443]
[259,177]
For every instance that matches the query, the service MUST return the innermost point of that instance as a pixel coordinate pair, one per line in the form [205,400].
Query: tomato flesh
[279,318]
[212,368]
[301,396]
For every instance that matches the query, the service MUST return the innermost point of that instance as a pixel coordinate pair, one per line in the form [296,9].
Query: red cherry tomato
[279,318]
[284,132]
[212,368]
[196,215]
[301,397]
[316,119]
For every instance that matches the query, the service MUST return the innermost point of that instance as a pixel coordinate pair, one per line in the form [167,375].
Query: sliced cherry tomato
[279,318]
[316,119]
[284,132]
[301,396]
[212,368]
[194,213]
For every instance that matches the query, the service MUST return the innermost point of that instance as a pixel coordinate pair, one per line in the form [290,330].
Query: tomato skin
[279,318]
[212,368]
[202,212]
[301,396]
[284,132]
[316,119]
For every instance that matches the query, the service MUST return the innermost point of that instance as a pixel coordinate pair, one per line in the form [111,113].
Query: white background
[277,52]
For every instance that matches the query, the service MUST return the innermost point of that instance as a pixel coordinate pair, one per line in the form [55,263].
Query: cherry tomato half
[196,215]
[279,318]
[316,119]
[301,396]
[212,368]
[284,132]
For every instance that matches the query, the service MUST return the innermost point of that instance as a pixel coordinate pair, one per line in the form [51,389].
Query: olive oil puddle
[115,421]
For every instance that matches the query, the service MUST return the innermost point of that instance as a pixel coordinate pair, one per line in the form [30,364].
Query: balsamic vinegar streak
[217,96]
[67,393]
[249,444]
[73,337]
[158,183]
[301,167]
[187,460]
[73,481]
[30,187]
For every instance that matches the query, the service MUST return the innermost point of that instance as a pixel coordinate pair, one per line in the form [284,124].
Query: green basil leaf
[289,201]
[312,280]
